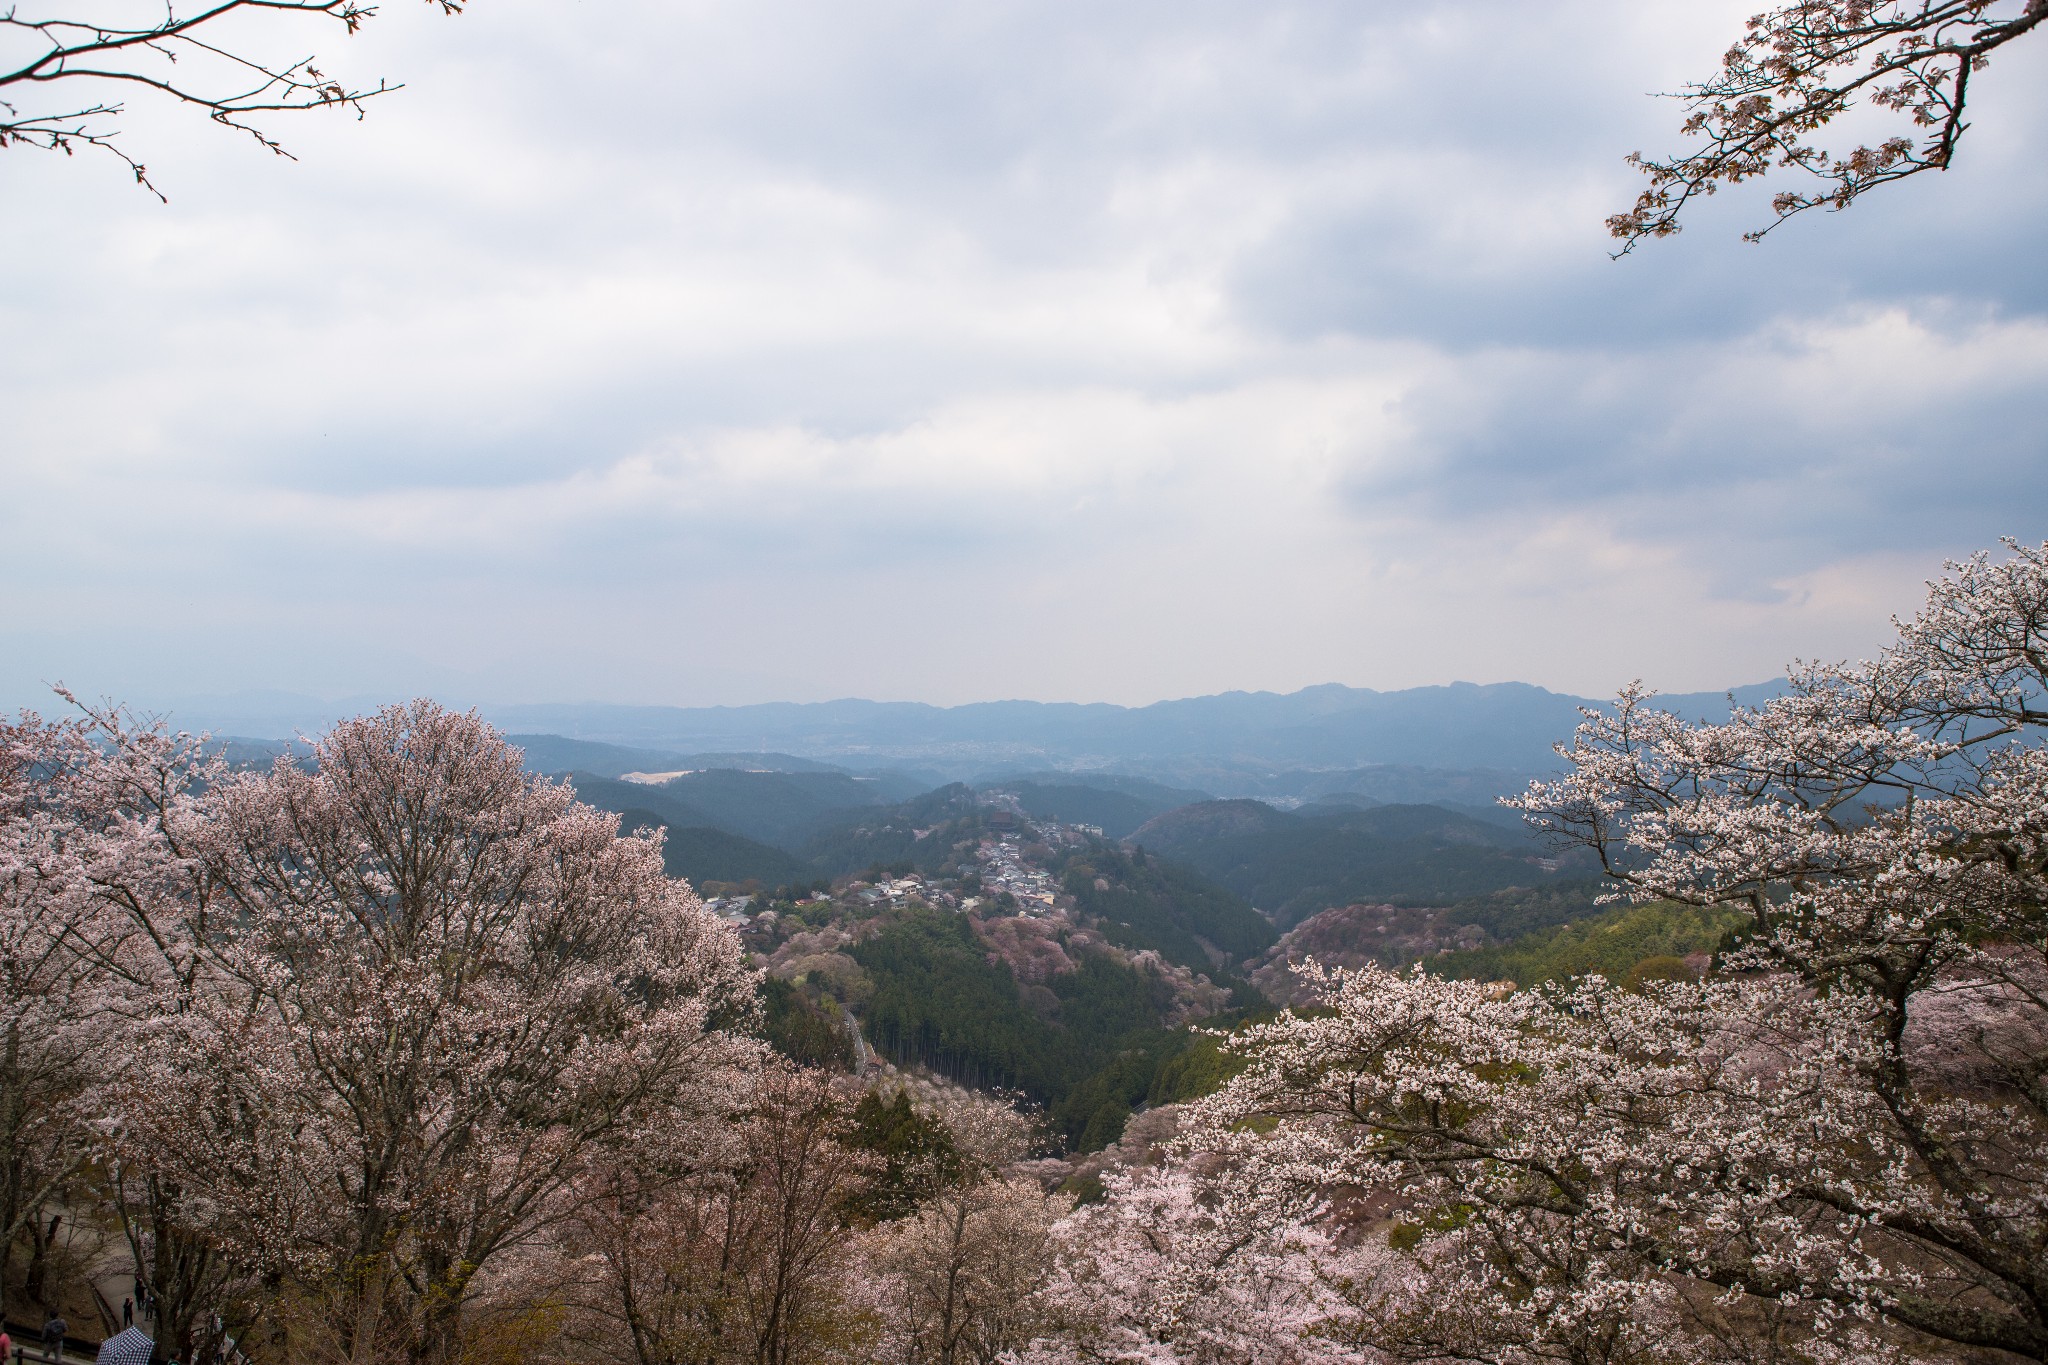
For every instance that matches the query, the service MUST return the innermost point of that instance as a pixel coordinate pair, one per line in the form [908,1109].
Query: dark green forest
[1295,864]
[939,1002]
[1148,902]
[856,840]
[703,856]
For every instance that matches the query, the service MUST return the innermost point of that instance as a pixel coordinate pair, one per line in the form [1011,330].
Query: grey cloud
[1379,269]
[1762,462]
[378,388]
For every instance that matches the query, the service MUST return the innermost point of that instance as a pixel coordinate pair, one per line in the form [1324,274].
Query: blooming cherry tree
[386,1007]
[1834,1148]
[55,1051]
[960,1281]
[1885,826]
[730,1245]
[1215,1260]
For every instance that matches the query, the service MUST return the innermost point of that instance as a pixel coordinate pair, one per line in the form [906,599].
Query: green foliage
[702,856]
[1519,910]
[1086,1188]
[1107,1000]
[802,1029]
[773,808]
[1092,1114]
[1612,944]
[558,754]
[1663,967]
[1200,1067]
[700,847]
[890,835]
[1408,1233]
[1153,903]
[1157,796]
[1294,865]
[939,1002]
[1160,1066]
[779,808]
[915,1150]
[665,806]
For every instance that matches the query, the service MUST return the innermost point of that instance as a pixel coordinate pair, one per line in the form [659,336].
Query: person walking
[53,1338]
[127,1313]
[6,1344]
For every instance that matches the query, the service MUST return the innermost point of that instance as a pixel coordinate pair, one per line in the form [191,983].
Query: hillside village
[978,937]
[1007,861]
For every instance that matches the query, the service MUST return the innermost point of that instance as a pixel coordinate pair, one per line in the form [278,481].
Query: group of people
[56,1328]
[143,1302]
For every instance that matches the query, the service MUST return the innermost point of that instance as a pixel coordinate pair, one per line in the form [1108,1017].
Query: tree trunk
[369,1314]
[41,1238]
[184,1275]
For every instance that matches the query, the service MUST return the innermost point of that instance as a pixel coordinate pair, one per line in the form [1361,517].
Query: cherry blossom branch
[1800,67]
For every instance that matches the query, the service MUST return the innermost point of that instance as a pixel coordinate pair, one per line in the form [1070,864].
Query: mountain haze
[1461,743]
[1500,726]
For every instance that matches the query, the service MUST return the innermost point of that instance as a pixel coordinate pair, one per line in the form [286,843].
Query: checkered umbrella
[126,1348]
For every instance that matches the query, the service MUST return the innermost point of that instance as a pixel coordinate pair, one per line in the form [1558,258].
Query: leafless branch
[180,58]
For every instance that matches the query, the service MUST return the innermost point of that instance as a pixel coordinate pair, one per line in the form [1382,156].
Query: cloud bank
[697,353]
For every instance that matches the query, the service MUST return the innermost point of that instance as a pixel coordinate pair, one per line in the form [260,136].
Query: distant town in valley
[1068,935]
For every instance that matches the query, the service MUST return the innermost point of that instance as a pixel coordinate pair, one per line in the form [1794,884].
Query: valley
[1066,937]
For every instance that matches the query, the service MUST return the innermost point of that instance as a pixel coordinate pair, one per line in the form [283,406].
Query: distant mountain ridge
[1234,743]
[1205,742]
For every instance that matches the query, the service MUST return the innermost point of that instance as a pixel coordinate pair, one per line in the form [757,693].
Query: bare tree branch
[182,58]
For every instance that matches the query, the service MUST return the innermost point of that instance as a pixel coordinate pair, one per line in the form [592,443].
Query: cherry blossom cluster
[1833,1148]
[1798,68]
[347,1034]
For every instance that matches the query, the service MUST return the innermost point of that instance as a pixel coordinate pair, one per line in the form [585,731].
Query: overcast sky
[685,352]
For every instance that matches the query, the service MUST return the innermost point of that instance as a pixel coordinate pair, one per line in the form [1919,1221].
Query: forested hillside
[925,831]
[979,935]
[781,808]
[1148,902]
[1116,806]
[1292,864]
[940,1001]
[783,684]
[970,1010]
[708,858]
[1626,944]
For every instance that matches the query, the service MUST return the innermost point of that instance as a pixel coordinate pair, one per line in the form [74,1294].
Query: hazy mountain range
[1326,797]
[1294,745]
